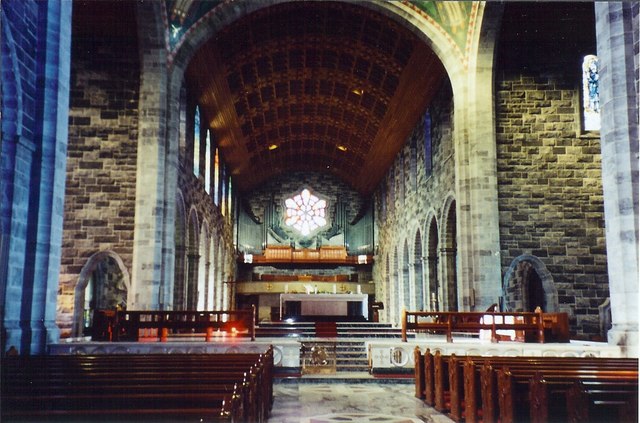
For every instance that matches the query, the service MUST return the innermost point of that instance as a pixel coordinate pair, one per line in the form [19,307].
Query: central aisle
[345,402]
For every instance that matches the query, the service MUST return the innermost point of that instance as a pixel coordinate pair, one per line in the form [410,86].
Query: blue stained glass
[591,93]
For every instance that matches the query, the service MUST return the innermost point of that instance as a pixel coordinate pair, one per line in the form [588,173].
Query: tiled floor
[345,402]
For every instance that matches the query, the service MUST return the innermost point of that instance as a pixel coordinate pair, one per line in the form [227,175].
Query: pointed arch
[395,287]
[180,237]
[449,254]
[435,294]
[109,283]
[203,266]
[387,286]
[211,276]
[407,301]
[193,257]
[418,272]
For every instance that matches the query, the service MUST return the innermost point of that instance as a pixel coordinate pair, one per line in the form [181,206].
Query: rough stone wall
[101,160]
[550,180]
[407,213]
[325,185]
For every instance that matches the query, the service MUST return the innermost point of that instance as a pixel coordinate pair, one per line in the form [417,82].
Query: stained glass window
[216,178]
[207,164]
[591,93]
[305,212]
[196,142]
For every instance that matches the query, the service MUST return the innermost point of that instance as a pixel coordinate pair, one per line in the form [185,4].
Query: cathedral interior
[310,211]
[213,155]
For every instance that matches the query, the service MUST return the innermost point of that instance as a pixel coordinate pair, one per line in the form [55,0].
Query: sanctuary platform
[361,350]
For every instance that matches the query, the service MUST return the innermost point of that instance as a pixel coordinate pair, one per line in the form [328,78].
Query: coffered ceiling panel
[331,87]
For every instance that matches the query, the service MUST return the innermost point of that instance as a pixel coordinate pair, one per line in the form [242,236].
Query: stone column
[477,218]
[36,69]
[148,238]
[619,137]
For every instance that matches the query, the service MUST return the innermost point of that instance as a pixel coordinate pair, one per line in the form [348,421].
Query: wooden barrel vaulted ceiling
[313,86]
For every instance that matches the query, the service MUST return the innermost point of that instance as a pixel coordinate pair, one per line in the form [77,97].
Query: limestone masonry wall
[101,160]
[550,191]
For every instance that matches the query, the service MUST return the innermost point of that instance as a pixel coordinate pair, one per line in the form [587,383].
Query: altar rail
[138,325]
[525,326]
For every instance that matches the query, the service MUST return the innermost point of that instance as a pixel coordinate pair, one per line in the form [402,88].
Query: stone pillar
[47,245]
[477,217]
[150,211]
[36,50]
[619,138]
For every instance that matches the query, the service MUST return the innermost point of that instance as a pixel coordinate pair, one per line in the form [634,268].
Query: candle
[359,289]
[334,288]
[286,288]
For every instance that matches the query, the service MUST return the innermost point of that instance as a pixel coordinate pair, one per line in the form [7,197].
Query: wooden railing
[324,254]
[524,326]
[138,325]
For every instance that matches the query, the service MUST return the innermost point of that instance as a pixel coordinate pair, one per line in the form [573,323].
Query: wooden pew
[418,372]
[515,397]
[214,387]
[457,384]
[597,401]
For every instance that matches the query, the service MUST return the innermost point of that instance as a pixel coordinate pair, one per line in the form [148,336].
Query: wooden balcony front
[325,254]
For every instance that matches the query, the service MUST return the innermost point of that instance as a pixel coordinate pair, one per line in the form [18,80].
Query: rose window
[305,212]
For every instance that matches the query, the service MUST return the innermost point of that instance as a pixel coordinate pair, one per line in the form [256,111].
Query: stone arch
[433,273]
[407,301]
[516,284]
[418,271]
[211,274]
[395,287]
[449,254]
[203,266]
[474,137]
[387,286]
[180,236]
[120,285]
[193,258]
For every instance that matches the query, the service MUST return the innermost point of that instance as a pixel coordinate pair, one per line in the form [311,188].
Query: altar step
[306,330]
[351,356]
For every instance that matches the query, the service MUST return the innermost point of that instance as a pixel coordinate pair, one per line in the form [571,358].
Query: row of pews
[136,387]
[528,389]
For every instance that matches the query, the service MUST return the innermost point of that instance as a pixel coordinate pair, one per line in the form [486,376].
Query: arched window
[207,163]
[230,200]
[196,142]
[216,178]
[223,195]
[591,93]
